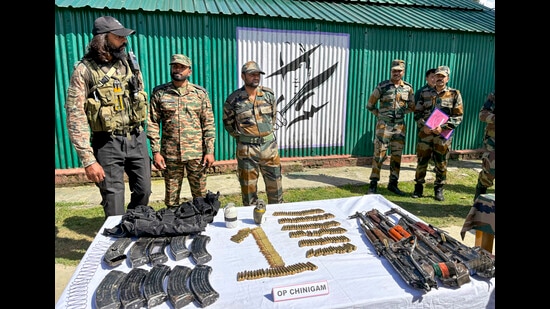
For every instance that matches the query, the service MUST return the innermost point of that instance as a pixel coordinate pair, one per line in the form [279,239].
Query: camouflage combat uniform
[118,142]
[188,132]
[486,176]
[251,124]
[430,146]
[395,102]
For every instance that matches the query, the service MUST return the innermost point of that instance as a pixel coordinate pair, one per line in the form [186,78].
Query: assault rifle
[450,272]
[399,255]
[134,84]
[478,260]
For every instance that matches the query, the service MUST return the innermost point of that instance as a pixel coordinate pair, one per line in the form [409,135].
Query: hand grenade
[259,212]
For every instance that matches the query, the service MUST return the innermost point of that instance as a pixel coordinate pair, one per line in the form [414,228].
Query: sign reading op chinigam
[308,71]
[300,291]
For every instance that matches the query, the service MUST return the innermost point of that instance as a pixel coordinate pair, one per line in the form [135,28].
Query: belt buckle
[261,140]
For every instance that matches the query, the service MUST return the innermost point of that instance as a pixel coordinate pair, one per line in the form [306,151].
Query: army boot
[438,193]
[372,187]
[392,186]
[480,189]
[418,190]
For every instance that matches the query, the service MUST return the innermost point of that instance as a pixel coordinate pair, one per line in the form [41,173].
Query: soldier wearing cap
[486,176]
[249,115]
[184,113]
[396,98]
[106,96]
[430,143]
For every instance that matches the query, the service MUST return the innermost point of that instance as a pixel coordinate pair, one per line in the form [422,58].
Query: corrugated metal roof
[459,15]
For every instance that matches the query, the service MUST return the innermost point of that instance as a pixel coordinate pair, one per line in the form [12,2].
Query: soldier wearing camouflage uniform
[105,96]
[486,176]
[184,112]
[430,143]
[396,98]
[249,115]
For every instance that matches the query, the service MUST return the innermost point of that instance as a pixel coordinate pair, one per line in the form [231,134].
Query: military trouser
[431,146]
[487,174]
[392,135]
[253,159]
[173,178]
[118,154]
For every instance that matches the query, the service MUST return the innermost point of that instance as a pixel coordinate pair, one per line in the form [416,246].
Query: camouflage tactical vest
[110,105]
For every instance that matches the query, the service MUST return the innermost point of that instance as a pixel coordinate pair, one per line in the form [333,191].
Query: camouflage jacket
[395,102]
[487,114]
[86,110]
[448,100]
[187,120]
[242,117]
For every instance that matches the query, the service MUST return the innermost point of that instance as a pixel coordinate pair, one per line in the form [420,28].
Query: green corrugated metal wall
[210,41]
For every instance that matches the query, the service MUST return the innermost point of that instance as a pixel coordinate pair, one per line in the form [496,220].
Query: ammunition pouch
[138,106]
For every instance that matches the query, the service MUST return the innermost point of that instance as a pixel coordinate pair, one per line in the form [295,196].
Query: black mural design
[307,89]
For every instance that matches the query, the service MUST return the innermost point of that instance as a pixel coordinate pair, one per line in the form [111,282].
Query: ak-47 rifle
[451,273]
[134,84]
[478,260]
[398,254]
[395,231]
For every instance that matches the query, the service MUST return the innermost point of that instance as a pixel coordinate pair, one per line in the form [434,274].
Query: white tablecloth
[359,279]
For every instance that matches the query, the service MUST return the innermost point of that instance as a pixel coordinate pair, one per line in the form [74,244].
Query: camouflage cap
[398,64]
[180,59]
[251,67]
[443,70]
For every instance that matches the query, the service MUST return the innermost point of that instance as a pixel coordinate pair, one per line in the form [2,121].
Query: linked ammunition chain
[106,293]
[198,249]
[114,255]
[155,250]
[345,248]
[179,294]
[306,212]
[178,248]
[306,218]
[130,289]
[275,272]
[267,249]
[317,233]
[153,285]
[138,252]
[241,235]
[199,282]
[310,226]
[322,241]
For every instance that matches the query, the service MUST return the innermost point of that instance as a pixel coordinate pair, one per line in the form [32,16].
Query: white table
[359,279]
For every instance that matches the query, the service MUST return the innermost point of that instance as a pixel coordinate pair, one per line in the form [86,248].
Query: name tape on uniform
[300,290]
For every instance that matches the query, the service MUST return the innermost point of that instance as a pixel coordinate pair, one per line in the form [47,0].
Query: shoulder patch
[160,87]
[236,96]
[408,84]
[201,88]
[267,89]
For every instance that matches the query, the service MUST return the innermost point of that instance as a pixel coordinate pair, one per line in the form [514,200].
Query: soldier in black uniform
[106,95]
